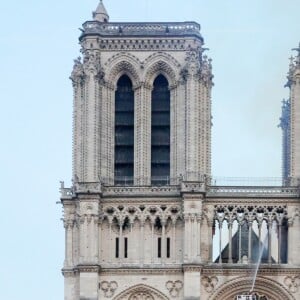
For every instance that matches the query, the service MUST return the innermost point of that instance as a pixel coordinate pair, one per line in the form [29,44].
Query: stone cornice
[247,270]
[142,271]
[192,267]
[141,29]
[161,191]
[87,268]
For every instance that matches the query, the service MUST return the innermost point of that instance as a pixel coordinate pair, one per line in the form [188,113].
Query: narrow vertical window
[159,247]
[160,131]
[117,247]
[124,132]
[168,247]
[126,247]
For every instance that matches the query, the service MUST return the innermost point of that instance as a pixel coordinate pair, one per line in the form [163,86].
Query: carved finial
[298,55]
[100,14]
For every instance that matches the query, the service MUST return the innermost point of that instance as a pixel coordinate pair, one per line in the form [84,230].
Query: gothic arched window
[124,132]
[160,131]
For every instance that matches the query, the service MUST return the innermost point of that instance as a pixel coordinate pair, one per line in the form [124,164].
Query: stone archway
[141,292]
[265,287]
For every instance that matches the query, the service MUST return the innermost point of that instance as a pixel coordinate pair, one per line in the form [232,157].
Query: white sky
[249,42]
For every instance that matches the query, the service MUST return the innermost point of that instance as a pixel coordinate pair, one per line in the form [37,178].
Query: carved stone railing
[171,190]
[274,191]
[189,183]
[142,29]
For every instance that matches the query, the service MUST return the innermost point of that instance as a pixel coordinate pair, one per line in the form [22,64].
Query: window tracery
[245,234]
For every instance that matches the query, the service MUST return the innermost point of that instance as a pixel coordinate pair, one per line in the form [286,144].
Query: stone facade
[141,240]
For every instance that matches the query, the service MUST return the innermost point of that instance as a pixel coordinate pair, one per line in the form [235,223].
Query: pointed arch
[263,286]
[122,64]
[135,292]
[160,131]
[160,67]
[161,63]
[124,131]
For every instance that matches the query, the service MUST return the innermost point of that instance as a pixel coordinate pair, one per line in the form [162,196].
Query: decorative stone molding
[141,191]
[264,286]
[124,66]
[108,288]
[174,287]
[209,283]
[142,271]
[193,187]
[87,269]
[164,67]
[68,272]
[91,62]
[77,75]
[247,270]
[296,214]
[141,213]
[206,75]
[192,268]
[293,283]
[251,212]
[138,45]
[141,292]
[87,188]
[160,29]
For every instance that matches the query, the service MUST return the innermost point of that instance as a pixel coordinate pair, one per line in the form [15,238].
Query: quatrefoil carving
[174,287]
[210,283]
[108,288]
[293,283]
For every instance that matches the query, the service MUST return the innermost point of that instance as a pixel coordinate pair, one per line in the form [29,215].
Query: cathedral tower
[143,219]
[294,86]
[143,65]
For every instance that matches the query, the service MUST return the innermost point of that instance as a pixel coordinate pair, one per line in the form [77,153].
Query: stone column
[108,134]
[78,79]
[198,237]
[68,243]
[192,128]
[250,241]
[180,129]
[110,242]
[152,242]
[121,247]
[163,242]
[91,118]
[240,242]
[230,242]
[173,135]
[142,241]
[173,241]
[186,237]
[270,241]
[142,135]
[220,241]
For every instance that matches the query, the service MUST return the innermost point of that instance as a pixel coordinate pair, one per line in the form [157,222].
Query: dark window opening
[159,247]
[124,132]
[117,247]
[160,132]
[126,247]
[168,247]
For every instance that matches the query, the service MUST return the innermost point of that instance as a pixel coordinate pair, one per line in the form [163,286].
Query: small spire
[100,14]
